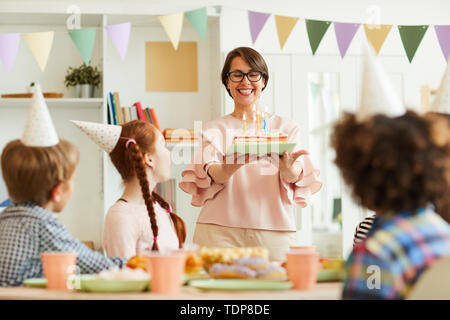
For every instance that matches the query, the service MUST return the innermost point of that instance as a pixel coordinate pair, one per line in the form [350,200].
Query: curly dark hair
[393,164]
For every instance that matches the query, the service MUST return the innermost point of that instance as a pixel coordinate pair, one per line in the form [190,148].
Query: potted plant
[84,78]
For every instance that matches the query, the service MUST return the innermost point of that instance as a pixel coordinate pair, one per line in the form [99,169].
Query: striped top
[363,229]
[398,249]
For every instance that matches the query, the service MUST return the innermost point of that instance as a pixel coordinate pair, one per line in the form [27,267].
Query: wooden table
[322,291]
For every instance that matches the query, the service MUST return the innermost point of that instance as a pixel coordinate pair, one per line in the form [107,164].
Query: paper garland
[40,43]
[316,30]
[412,37]
[257,20]
[9,45]
[84,40]
[199,20]
[120,35]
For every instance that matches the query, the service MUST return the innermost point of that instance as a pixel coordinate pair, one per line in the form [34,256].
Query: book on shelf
[155,119]
[134,115]
[117,107]
[139,110]
[112,109]
[126,114]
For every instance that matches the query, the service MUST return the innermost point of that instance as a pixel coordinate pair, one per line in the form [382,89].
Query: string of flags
[40,43]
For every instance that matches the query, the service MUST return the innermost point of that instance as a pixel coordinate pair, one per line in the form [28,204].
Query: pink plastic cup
[302,267]
[167,272]
[57,267]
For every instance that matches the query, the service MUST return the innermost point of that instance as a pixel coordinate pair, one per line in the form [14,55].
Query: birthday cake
[261,143]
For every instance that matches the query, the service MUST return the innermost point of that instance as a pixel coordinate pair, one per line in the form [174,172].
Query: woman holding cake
[248,201]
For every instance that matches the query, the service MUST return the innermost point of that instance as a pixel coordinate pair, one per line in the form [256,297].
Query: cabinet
[97,184]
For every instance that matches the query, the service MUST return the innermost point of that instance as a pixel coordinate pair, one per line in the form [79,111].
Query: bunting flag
[9,45]
[316,30]
[173,24]
[199,20]
[377,34]
[284,28]
[412,37]
[344,35]
[40,44]
[315,88]
[84,40]
[120,36]
[257,21]
[443,35]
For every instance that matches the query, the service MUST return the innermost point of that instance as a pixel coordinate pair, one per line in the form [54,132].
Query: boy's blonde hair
[31,173]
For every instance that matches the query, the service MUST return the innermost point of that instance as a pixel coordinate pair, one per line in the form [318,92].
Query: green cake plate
[260,148]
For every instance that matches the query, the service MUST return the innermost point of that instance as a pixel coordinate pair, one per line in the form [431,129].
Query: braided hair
[129,161]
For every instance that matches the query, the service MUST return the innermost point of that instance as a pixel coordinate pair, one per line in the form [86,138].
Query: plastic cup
[302,267]
[57,267]
[167,270]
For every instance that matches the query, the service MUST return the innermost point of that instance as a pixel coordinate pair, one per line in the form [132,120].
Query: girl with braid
[141,216]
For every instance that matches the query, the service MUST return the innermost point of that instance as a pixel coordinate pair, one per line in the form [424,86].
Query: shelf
[53,102]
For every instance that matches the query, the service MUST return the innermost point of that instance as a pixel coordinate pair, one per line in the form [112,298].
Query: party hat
[39,129]
[378,95]
[104,135]
[442,101]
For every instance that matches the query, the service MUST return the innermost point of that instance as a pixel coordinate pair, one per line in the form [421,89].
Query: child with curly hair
[397,165]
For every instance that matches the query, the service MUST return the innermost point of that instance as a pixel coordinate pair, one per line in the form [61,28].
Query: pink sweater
[127,226]
[255,196]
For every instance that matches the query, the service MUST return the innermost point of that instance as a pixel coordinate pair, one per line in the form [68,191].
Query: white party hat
[104,135]
[378,95]
[39,129]
[441,102]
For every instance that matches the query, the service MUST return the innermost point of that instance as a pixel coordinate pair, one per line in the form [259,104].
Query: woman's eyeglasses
[238,76]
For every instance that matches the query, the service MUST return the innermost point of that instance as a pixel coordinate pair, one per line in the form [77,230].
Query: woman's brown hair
[253,59]
[392,164]
[129,161]
[31,173]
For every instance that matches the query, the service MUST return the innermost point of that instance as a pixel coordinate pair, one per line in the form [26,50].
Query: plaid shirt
[396,252]
[27,230]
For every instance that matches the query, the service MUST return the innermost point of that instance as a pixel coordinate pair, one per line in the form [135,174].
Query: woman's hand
[221,173]
[289,169]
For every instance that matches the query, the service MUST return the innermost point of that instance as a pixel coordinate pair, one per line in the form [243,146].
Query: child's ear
[56,192]
[148,159]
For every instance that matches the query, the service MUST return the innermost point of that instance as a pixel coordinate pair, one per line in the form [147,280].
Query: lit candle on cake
[245,123]
[266,129]
[257,121]
[254,118]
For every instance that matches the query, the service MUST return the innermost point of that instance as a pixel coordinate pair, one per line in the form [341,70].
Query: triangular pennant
[441,101]
[412,37]
[257,20]
[84,40]
[377,34]
[120,36]
[173,24]
[39,129]
[40,44]
[198,19]
[284,28]
[443,35]
[344,35]
[315,88]
[316,30]
[9,45]
[105,136]
[378,95]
